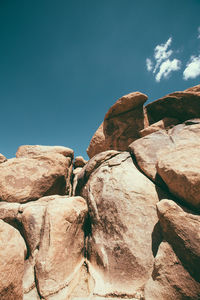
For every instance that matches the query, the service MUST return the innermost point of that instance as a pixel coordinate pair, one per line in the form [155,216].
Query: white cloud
[198,33]
[161,53]
[167,67]
[149,64]
[192,69]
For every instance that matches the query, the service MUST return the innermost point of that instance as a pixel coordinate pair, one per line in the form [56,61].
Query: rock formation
[124,225]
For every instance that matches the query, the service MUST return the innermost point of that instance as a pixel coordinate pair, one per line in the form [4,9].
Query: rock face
[149,149]
[26,179]
[121,125]
[165,124]
[35,150]
[79,162]
[121,203]
[169,278]
[2,158]
[182,181]
[52,228]
[131,230]
[12,254]
[180,105]
[182,230]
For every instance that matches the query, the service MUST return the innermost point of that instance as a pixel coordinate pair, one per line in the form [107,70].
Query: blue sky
[64,63]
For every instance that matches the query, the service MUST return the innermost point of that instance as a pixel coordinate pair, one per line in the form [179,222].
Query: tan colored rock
[179,105]
[35,150]
[2,158]
[146,151]
[164,124]
[121,125]
[26,179]
[61,252]
[182,230]
[123,218]
[150,148]
[12,255]
[194,89]
[84,174]
[79,162]
[53,229]
[169,278]
[180,170]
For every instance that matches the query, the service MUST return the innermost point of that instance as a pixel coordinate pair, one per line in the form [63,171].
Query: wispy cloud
[161,53]
[149,64]
[163,65]
[192,69]
[167,67]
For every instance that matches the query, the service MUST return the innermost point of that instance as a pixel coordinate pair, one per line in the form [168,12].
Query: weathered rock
[180,105]
[194,89]
[53,229]
[182,230]
[148,149]
[180,170]
[123,218]
[12,255]
[79,162]
[61,250]
[169,278]
[91,166]
[35,150]
[121,125]
[165,124]
[2,158]
[26,179]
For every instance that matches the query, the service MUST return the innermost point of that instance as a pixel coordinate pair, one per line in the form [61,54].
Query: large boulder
[35,150]
[170,280]
[61,252]
[150,148]
[180,105]
[122,230]
[180,170]
[53,229]
[24,179]
[146,151]
[12,254]
[121,125]
[182,230]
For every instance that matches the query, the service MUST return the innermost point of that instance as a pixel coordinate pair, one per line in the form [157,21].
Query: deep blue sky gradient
[64,63]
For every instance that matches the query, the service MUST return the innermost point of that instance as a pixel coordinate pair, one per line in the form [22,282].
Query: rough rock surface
[121,204]
[182,230]
[26,179]
[2,158]
[165,123]
[35,150]
[61,248]
[12,255]
[53,229]
[147,150]
[169,278]
[194,89]
[180,170]
[121,125]
[179,105]
[79,162]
